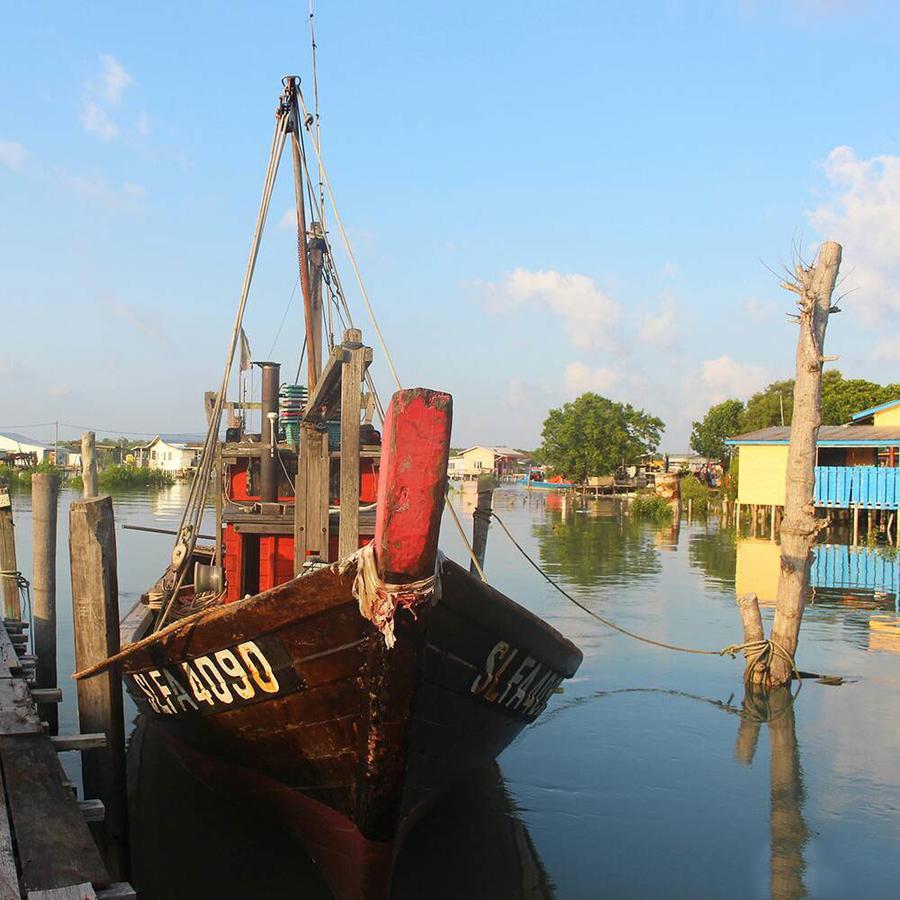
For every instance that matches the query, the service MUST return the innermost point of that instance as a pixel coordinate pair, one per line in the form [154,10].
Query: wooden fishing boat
[323,658]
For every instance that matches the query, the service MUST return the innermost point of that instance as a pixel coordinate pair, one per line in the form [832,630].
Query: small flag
[246,358]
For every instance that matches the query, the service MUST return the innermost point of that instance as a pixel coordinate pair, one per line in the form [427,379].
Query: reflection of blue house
[846,568]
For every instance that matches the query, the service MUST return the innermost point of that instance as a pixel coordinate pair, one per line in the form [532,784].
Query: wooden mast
[313,350]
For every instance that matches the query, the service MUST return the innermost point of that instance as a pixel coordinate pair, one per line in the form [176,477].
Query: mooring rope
[759,654]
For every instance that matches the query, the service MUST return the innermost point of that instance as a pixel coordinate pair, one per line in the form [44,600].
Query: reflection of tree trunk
[789,834]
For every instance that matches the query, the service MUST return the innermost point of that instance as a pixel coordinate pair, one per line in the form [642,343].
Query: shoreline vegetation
[117,477]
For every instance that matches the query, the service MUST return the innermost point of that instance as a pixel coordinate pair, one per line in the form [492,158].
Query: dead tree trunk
[814,286]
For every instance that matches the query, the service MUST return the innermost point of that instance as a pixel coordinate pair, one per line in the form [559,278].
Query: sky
[544,199]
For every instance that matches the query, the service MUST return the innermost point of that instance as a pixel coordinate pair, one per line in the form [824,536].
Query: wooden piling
[88,465]
[44,502]
[95,614]
[9,584]
[855,525]
[481,521]
[352,373]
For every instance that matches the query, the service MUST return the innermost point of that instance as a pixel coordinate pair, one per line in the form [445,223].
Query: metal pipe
[268,464]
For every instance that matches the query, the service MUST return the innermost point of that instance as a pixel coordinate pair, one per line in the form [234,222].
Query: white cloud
[134,316]
[863,214]
[104,94]
[888,350]
[95,120]
[723,378]
[97,189]
[12,154]
[670,270]
[579,378]
[589,314]
[657,329]
[760,310]
[113,79]
[288,220]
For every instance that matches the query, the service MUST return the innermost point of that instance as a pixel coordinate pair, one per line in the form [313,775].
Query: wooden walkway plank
[9,878]
[55,847]
[72,892]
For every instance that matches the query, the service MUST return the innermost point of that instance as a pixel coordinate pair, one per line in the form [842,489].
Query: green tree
[722,421]
[842,397]
[593,436]
[764,408]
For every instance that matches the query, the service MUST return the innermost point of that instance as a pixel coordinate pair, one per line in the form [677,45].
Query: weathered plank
[46,695]
[17,713]
[9,659]
[9,878]
[120,890]
[72,892]
[92,810]
[311,504]
[351,399]
[88,465]
[44,503]
[95,614]
[90,741]
[55,846]
[9,587]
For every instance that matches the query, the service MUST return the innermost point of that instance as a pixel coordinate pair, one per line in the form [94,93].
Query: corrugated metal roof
[22,439]
[834,435]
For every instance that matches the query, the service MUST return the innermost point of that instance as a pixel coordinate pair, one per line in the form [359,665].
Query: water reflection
[714,552]
[191,841]
[603,548]
[789,834]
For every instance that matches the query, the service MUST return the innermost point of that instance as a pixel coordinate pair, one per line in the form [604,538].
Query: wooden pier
[47,851]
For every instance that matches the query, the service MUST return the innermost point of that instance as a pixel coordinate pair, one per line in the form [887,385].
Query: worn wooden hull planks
[292,700]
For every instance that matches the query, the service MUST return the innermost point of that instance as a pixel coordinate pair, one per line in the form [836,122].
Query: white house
[10,442]
[174,457]
[474,461]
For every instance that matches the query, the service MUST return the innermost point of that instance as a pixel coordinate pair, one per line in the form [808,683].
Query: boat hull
[293,700]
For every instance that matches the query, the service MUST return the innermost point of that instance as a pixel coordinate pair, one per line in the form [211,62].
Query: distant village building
[18,447]
[475,461]
[857,463]
[175,457]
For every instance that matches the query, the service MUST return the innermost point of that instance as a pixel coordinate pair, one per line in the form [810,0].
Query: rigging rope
[759,654]
[193,511]
[349,249]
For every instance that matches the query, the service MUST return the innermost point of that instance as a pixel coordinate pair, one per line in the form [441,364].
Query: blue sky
[545,198]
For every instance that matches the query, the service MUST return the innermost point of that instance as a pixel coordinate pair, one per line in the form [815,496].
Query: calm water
[641,779]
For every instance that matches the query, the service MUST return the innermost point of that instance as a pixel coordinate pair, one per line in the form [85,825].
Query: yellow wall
[890,416]
[761,474]
[758,568]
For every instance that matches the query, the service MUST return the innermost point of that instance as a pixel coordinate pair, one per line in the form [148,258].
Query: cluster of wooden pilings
[53,847]
[765,521]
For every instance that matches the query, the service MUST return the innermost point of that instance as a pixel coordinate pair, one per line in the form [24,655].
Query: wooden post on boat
[9,584]
[315,256]
[481,521]
[352,370]
[95,616]
[44,501]
[88,465]
[311,504]
[412,483]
